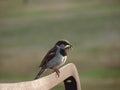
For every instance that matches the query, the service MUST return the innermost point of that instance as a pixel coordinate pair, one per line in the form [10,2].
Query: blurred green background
[29,28]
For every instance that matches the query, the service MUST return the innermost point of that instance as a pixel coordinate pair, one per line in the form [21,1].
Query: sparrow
[55,57]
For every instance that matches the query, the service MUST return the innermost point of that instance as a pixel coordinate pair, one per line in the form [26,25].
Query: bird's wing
[51,53]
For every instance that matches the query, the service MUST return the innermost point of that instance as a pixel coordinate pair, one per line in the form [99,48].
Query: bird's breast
[57,61]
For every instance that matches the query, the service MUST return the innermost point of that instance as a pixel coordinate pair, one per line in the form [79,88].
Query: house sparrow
[55,57]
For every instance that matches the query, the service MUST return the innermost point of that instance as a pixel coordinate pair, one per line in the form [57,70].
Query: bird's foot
[57,72]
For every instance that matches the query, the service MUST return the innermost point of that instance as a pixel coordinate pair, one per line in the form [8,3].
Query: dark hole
[70,83]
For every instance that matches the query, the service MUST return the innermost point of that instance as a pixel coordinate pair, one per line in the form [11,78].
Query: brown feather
[51,53]
[40,72]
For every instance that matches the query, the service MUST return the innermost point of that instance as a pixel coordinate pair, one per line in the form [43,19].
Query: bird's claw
[57,72]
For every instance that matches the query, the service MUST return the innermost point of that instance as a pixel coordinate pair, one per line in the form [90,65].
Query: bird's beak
[68,46]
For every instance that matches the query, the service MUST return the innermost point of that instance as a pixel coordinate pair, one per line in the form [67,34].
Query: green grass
[101,73]
[14,77]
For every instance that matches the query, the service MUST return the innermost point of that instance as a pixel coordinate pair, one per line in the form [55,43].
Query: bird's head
[64,44]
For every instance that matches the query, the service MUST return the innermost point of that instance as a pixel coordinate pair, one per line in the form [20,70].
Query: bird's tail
[40,72]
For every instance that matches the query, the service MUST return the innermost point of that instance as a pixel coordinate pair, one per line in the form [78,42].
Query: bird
[55,57]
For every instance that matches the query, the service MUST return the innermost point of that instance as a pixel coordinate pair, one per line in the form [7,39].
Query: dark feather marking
[63,52]
[40,72]
[51,53]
